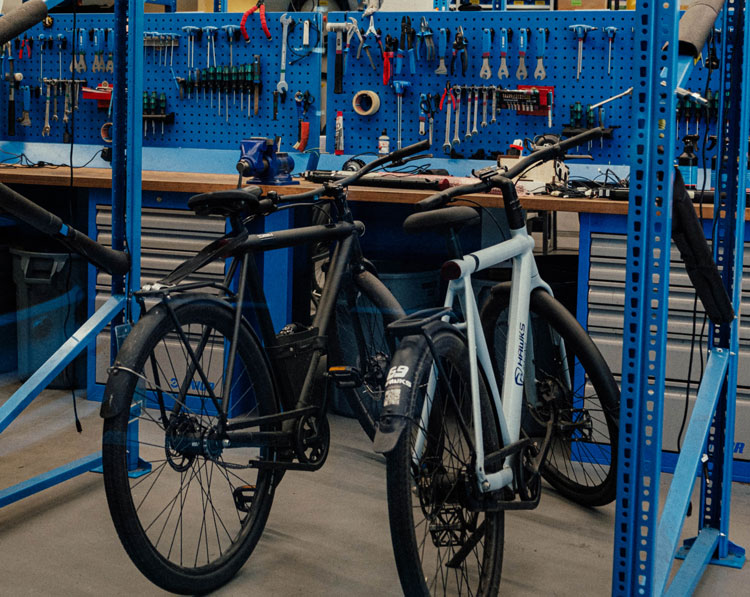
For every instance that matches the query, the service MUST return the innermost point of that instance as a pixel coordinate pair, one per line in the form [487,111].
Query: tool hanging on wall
[523,34]
[539,73]
[610,31]
[303,101]
[366,103]
[400,88]
[443,51]
[488,35]
[506,36]
[450,104]
[339,134]
[282,86]
[424,37]
[364,44]
[457,94]
[580,31]
[339,29]
[260,6]
[459,49]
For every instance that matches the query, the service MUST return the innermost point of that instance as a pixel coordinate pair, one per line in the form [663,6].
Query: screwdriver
[163,109]
[152,101]
[233,74]
[225,81]
[256,83]
[145,111]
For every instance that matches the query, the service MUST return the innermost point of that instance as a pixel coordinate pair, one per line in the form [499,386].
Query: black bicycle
[206,405]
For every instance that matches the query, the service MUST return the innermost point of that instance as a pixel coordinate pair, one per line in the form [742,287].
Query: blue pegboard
[560,58]
[196,123]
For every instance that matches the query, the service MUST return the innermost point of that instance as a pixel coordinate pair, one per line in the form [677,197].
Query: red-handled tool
[261,8]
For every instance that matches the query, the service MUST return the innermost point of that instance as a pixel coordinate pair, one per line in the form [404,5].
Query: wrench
[488,35]
[521,70]
[54,113]
[81,59]
[46,128]
[540,74]
[505,34]
[467,135]
[66,103]
[457,93]
[474,130]
[447,141]
[282,86]
[493,120]
[484,107]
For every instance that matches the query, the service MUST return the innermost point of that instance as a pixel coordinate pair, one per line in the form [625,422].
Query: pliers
[428,106]
[391,47]
[363,43]
[425,36]
[407,43]
[376,33]
[459,47]
[303,101]
[260,6]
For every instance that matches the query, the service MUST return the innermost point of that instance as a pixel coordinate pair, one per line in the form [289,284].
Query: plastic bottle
[384,144]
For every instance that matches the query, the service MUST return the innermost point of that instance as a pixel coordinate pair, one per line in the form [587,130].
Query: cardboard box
[582,4]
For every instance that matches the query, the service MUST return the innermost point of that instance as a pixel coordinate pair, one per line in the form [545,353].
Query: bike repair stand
[127,118]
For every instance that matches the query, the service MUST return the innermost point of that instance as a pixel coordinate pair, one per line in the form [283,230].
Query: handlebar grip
[432,202]
[439,199]
[696,25]
[409,150]
[24,17]
[113,262]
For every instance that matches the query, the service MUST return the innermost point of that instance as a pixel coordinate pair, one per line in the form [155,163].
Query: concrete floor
[327,534]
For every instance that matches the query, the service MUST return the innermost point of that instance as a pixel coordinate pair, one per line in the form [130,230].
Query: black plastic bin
[51,306]
[8,352]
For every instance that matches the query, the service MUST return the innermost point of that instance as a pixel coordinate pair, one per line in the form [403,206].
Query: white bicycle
[479,406]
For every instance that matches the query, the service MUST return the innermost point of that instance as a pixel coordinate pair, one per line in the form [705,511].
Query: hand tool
[153,100]
[42,41]
[428,106]
[484,106]
[398,53]
[376,33]
[488,34]
[233,33]
[338,139]
[260,6]
[522,39]
[62,44]
[46,128]
[256,83]
[493,92]
[339,29]
[457,93]
[400,88]
[25,120]
[110,65]
[424,36]
[447,93]
[422,114]
[162,109]
[282,85]
[25,45]
[98,64]
[146,110]
[580,32]
[506,35]
[364,44]
[539,73]
[407,43]
[371,6]
[391,45]
[469,99]
[81,59]
[303,101]
[474,130]
[211,82]
[200,83]
[210,32]
[192,33]
[610,31]
[224,83]
[351,31]
[459,48]
[443,49]
[54,103]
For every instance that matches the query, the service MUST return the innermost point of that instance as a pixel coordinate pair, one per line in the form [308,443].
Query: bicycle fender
[400,390]
[120,382]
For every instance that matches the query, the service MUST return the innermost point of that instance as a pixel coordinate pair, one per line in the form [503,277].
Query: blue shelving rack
[126,201]
[644,544]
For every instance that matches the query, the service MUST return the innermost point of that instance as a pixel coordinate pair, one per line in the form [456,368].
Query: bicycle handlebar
[24,17]
[493,177]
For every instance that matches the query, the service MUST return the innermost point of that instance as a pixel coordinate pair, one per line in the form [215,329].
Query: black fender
[121,382]
[400,387]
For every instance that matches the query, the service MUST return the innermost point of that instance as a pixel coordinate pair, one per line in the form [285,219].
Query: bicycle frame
[525,278]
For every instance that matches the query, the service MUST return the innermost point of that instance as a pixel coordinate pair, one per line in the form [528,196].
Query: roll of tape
[366,102]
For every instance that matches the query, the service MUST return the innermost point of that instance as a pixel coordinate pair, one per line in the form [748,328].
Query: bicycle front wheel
[443,543]
[567,382]
[188,509]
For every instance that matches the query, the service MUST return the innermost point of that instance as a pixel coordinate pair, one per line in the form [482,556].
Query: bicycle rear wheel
[442,543]
[188,509]
[577,393]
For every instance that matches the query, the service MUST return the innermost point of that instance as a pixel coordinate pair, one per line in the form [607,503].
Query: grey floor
[327,534]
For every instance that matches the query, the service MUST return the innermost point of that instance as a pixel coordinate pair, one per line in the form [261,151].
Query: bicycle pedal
[345,377]
[243,497]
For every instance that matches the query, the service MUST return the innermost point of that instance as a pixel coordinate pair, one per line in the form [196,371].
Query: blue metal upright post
[647,285]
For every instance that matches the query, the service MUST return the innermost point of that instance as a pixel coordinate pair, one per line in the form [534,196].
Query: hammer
[339,29]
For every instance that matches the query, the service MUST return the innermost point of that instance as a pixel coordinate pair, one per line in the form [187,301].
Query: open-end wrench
[442,50]
[54,104]
[282,86]
[493,118]
[539,73]
[484,107]
[521,73]
[447,94]
[505,35]
[81,59]
[469,99]
[457,92]
[488,34]
[46,128]
[474,130]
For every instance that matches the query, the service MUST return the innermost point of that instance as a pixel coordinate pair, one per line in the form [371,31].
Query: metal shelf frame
[126,232]
[644,544]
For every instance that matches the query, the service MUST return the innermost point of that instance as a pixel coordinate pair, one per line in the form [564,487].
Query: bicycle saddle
[441,220]
[226,203]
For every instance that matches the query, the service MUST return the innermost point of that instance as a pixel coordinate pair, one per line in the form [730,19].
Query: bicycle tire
[180,522]
[586,436]
[429,518]
[364,301]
